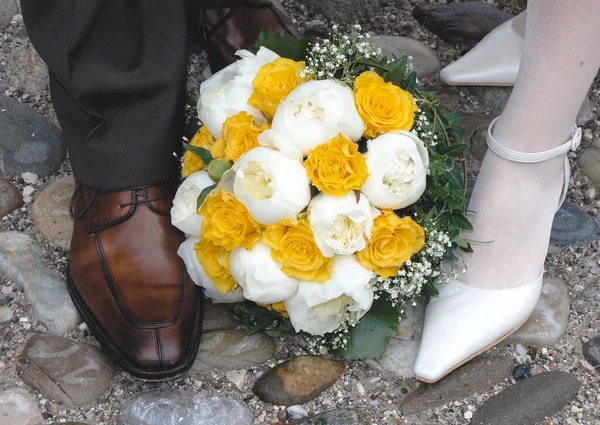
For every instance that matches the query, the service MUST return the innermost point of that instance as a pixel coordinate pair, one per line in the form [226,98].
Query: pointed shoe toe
[494,61]
[464,321]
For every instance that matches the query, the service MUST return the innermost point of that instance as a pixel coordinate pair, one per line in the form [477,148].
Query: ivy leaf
[370,337]
[203,195]
[410,83]
[453,150]
[455,177]
[203,154]
[396,73]
[284,45]
[459,220]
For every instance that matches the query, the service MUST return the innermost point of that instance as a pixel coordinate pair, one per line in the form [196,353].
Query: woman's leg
[513,204]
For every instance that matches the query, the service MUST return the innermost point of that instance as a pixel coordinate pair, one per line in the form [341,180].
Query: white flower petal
[319,308]
[259,276]
[183,212]
[340,224]
[398,164]
[312,114]
[271,186]
[188,254]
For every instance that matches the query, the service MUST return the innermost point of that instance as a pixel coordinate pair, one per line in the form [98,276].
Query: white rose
[319,308]
[340,224]
[259,276]
[226,93]
[188,254]
[271,186]
[312,114]
[398,163]
[183,212]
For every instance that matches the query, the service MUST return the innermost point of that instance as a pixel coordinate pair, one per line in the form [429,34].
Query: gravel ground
[361,386]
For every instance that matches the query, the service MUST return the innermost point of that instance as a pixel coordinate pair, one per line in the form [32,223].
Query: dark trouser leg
[117,83]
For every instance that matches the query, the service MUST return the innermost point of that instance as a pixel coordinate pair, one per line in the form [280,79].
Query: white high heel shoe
[494,61]
[464,321]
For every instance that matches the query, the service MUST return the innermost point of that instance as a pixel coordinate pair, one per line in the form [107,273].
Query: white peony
[319,308]
[271,186]
[226,93]
[312,114]
[340,224]
[398,164]
[260,276]
[183,212]
[188,254]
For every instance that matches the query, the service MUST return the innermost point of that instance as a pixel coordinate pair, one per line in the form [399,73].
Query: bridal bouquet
[322,187]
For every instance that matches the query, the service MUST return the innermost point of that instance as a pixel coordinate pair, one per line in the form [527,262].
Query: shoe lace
[140,193]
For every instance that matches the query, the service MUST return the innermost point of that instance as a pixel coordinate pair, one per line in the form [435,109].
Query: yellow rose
[278,307]
[191,162]
[227,223]
[273,82]
[384,107]
[293,246]
[393,241]
[337,167]
[215,263]
[240,134]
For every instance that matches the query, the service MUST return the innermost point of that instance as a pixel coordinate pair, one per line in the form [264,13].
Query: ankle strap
[572,144]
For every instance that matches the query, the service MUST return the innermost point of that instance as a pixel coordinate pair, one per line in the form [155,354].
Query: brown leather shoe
[129,284]
[227,26]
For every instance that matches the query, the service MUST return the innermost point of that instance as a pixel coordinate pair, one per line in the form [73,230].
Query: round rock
[573,227]
[17,407]
[549,319]
[26,70]
[28,140]
[172,407]
[297,381]
[528,401]
[424,59]
[50,212]
[231,350]
[591,351]
[589,160]
[10,197]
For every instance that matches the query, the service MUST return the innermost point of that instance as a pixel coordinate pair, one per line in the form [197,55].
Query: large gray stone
[27,71]
[573,227]
[473,131]
[17,407]
[10,198]
[71,373]
[173,407]
[28,140]
[401,353]
[589,160]
[21,262]
[528,401]
[8,9]
[232,350]
[590,297]
[466,22]
[424,59]
[218,317]
[337,417]
[475,377]
[548,321]
[50,212]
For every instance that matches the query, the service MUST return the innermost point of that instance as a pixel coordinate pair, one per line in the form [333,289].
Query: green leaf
[284,45]
[203,195]
[455,177]
[459,220]
[410,83]
[370,337]
[257,319]
[203,154]
[396,73]
[453,150]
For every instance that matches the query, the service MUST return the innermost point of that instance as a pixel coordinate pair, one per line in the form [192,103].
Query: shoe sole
[433,381]
[477,84]
[173,373]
